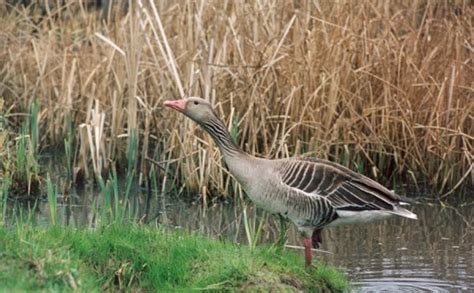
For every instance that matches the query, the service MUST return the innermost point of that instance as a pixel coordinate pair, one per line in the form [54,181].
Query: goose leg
[317,240]
[308,243]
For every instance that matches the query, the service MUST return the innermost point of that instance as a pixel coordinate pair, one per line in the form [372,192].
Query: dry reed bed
[383,87]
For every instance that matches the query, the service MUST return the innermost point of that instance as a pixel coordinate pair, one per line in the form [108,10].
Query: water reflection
[435,253]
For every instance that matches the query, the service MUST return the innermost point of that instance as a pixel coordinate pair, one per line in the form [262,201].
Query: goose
[312,193]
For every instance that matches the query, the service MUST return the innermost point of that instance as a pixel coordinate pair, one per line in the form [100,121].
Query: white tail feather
[404,213]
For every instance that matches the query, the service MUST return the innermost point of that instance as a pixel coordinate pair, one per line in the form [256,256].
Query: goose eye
[196,103]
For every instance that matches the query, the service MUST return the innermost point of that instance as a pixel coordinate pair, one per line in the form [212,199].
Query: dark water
[432,254]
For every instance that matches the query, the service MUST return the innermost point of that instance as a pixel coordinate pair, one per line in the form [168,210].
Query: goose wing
[343,188]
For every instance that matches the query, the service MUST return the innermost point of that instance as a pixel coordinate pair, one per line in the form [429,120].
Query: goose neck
[222,138]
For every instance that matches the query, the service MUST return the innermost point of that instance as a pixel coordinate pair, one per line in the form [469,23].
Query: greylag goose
[311,193]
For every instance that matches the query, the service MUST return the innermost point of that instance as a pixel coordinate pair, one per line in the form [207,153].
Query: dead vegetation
[385,88]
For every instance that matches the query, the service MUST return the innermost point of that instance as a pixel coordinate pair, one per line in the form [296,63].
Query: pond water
[433,254]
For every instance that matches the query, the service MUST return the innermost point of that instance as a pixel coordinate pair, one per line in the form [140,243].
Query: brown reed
[384,87]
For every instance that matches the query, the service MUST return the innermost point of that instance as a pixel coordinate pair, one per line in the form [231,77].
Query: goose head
[195,108]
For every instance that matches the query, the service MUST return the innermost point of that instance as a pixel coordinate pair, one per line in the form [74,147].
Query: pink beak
[178,105]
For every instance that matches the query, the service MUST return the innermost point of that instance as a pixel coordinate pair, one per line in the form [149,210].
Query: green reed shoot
[344,157]
[253,231]
[106,211]
[22,217]
[283,231]
[30,216]
[68,148]
[234,130]
[107,214]
[116,211]
[33,125]
[6,181]
[360,164]
[21,157]
[26,165]
[115,191]
[132,163]
[69,158]
[52,200]
[104,190]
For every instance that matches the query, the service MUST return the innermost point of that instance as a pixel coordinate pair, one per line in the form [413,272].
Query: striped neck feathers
[221,136]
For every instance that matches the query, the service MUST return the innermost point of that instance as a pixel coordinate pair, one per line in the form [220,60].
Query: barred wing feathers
[343,188]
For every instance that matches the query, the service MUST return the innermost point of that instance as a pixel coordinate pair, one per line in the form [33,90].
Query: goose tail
[404,213]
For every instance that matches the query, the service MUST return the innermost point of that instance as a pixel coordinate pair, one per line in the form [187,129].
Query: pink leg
[308,243]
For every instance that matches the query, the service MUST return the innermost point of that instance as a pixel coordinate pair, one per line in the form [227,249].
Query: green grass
[129,257]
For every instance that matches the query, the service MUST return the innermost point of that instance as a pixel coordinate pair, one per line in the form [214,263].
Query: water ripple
[407,285]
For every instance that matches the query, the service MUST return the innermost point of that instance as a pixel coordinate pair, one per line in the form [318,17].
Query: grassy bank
[384,88]
[142,258]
